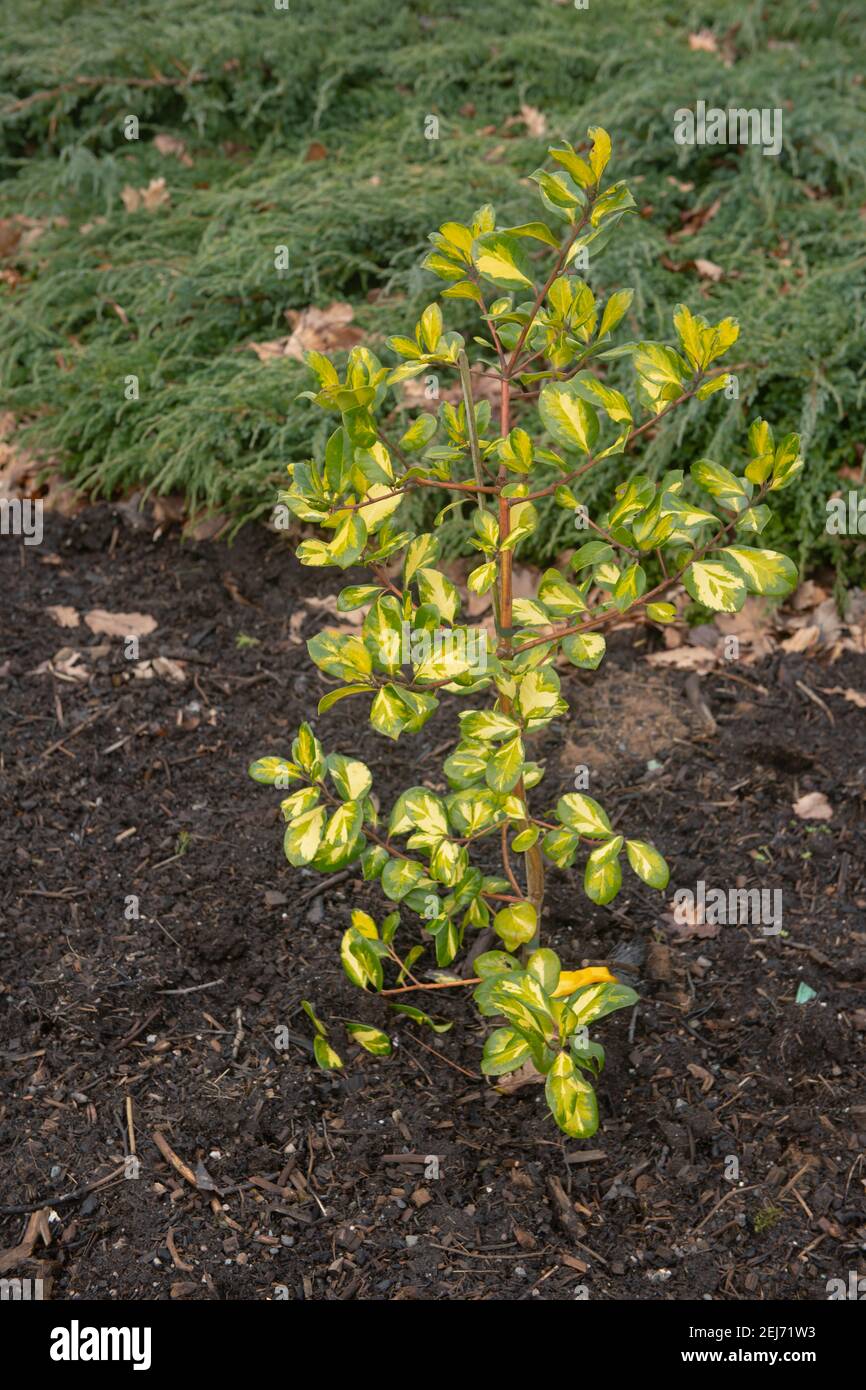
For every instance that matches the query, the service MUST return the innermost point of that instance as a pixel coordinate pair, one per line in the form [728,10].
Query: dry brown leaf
[65,665]
[686,658]
[169,670]
[813,806]
[313,330]
[119,624]
[63,615]
[534,120]
[37,1228]
[704,41]
[802,640]
[171,145]
[708,270]
[524,1076]
[155,196]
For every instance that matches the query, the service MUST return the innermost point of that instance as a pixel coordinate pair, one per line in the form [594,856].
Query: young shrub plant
[543,331]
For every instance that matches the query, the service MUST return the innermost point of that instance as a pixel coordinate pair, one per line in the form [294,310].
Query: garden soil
[165,1133]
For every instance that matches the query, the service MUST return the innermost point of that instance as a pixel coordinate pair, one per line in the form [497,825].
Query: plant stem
[533,860]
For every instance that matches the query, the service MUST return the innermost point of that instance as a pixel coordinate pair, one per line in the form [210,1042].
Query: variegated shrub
[542,330]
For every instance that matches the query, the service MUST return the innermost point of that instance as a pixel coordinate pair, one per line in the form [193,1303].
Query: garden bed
[123,779]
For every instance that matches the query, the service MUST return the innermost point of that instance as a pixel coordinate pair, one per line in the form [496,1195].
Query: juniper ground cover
[306,128]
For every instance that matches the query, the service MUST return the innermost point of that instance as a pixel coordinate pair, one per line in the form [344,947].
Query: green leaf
[418,809]
[515,925]
[571,1099]
[629,587]
[559,596]
[661,612]
[371,1039]
[719,482]
[352,779]
[525,840]
[592,553]
[589,1056]
[560,846]
[431,326]
[593,1002]
[544,966]
[501,259]
[303,837]
[418,1016]
[568,417]
[504,1051]
[333,697]
[614,310]
[491,963]
[342,841]
[435,588]
[584,815]
[399,877]
[766,572]
[341,656]
[505,766]
[273,770]
[482,578]
[419,433]
[325,1056]
[585,649]
[647,863]
[603,877]
[487,724]
[716,585]
[422,551]
[314,1017]
[349,540]
[359,960]
[599,155]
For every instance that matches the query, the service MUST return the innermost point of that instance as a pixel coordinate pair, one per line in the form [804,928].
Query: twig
[171,1157]
[63,1201]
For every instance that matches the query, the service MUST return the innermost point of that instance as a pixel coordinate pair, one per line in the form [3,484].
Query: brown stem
[533,859]
[441,984]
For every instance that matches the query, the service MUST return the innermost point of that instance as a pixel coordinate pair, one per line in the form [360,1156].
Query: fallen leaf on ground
[169,670]
[155,196]
[530,116]
[66,665]
[119,624]
[704,41]
[813,806]
[313,330]
[63,615]
[708,270]
[686,658]
[802,639]
[37,1229]
[170,144]
[524,1076]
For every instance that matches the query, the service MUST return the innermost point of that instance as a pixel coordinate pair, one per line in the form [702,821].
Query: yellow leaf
[570,980]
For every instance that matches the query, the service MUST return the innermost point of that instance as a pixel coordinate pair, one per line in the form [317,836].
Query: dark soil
[728,1163]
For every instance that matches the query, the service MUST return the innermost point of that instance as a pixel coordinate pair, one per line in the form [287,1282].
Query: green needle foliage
[539,326]
[175,296]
